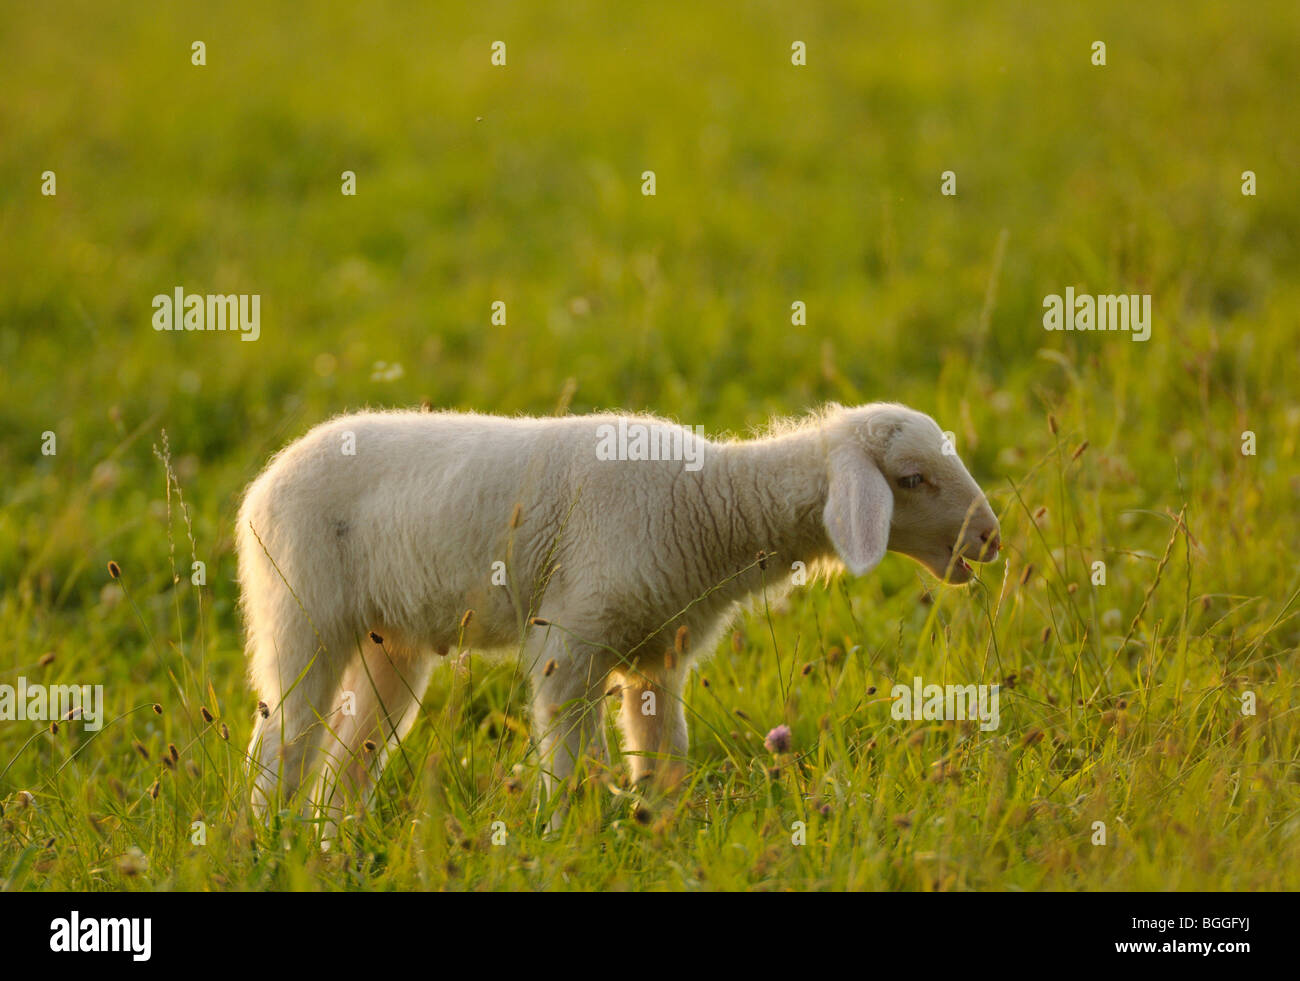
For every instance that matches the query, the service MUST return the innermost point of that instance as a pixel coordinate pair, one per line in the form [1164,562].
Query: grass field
[1121,703]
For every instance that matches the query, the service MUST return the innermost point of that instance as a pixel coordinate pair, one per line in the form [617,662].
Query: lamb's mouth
[950,567]
[960,570]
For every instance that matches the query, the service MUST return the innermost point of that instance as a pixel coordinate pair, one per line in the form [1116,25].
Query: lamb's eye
[910,481]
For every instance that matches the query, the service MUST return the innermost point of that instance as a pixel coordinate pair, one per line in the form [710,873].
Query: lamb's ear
[859,507]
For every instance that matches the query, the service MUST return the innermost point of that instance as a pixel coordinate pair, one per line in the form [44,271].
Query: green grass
[775,184]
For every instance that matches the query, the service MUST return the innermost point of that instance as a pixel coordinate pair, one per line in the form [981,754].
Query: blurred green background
[522,183]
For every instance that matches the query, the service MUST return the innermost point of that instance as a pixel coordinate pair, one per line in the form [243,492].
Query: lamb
[363,545]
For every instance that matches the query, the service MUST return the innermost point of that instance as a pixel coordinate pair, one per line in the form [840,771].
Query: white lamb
[397,523]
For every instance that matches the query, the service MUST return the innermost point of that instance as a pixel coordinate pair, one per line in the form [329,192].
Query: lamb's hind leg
[296,677]
[380,702]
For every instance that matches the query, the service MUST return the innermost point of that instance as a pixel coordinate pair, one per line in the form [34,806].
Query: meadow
[1158,705]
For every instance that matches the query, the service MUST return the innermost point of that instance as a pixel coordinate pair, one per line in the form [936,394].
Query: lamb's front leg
[653,722]
[569,680]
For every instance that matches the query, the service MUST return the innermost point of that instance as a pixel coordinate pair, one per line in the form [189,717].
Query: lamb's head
[895,482]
